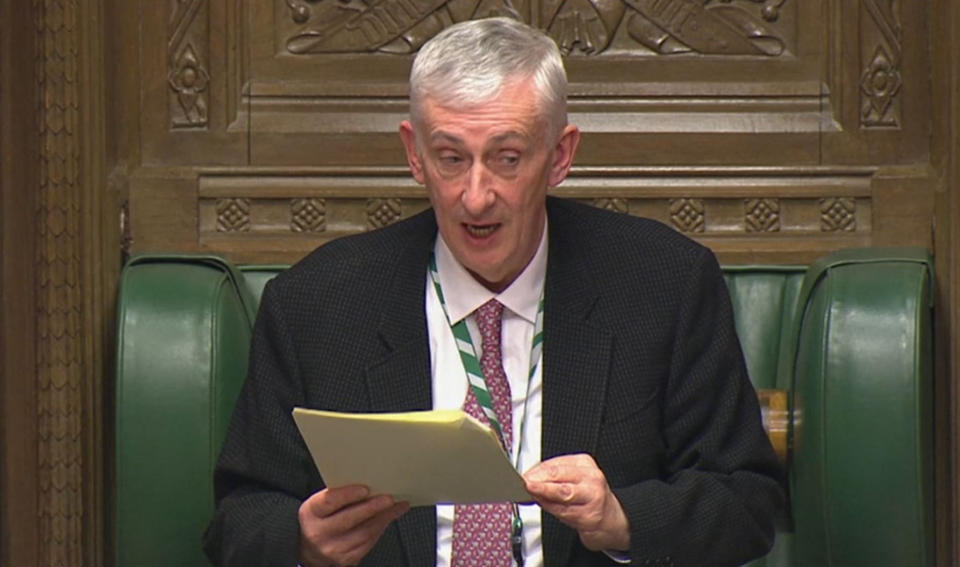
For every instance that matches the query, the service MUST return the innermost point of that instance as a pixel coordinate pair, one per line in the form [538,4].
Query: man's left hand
[574,489]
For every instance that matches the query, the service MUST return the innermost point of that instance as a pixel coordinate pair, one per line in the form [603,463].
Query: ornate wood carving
[770,216]
[59,347]
[880,82]
[383,212]
[615,205]
[747,211]
[709,27]
[308,215]
[187,51]
[762,215]
[233,215]
[687,215]
[838,214]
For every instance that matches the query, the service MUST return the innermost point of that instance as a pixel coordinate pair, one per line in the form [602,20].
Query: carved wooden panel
[188,59]
[880,82]
[277,125]
[677,70]
[645,27]
[191,81]
[746,214]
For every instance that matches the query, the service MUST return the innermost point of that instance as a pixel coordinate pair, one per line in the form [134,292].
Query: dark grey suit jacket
[642,370]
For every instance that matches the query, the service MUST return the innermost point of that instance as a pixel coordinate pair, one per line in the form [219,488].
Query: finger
[555,492]
[353,545]
[552,469]
[354,515]
[569,514]
[563,473]
[329,500]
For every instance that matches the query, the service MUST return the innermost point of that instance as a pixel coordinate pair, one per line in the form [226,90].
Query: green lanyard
[478,384]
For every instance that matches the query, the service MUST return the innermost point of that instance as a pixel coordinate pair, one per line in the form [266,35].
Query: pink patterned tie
[481,532]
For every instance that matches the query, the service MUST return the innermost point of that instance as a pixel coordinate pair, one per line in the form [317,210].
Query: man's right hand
[339,526]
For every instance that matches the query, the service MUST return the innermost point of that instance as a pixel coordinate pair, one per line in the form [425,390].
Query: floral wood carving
[233,215]
[838,214]
[762,215]
[687,215]
[308,215]
[187,75]
[586,27]
[383,212]
[880,81]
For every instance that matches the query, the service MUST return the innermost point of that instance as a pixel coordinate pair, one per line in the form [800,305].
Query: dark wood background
[772,130]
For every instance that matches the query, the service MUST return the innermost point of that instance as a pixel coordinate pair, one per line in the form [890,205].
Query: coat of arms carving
[580,27]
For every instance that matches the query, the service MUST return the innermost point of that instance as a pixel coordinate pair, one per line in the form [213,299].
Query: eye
[506,162]
[509,159]
[450,162]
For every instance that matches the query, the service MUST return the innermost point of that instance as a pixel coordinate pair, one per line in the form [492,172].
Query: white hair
[469,63]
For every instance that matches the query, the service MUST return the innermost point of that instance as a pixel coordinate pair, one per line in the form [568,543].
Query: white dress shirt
[463,295]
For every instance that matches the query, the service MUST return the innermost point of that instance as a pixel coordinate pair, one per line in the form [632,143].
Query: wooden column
[19,159]
[945,52]
[59,273]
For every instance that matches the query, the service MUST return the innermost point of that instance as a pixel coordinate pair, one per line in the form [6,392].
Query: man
[637,430]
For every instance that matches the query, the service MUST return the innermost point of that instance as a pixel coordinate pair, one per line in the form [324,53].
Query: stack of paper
[424,457]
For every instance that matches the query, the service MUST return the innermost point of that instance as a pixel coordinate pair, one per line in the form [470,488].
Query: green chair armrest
[861,473]
[183,334]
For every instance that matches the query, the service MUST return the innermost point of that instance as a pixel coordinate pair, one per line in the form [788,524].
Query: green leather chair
[848,339]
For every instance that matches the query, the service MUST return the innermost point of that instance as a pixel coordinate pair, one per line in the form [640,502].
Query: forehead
[515,112]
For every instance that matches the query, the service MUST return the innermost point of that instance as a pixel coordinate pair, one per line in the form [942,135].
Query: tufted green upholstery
[850,338]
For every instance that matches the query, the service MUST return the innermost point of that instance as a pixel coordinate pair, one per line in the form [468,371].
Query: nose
[478,193]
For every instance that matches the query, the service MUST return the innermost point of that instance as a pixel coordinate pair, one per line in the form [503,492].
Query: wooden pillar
[59,273]
[945,53]
[19,172]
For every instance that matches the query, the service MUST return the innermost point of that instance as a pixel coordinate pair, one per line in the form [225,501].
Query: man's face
[487,169]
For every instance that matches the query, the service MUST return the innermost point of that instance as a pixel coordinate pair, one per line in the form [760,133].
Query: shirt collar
[463,294]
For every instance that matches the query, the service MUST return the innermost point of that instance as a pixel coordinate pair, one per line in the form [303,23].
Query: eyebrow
[510,135]
[448,137]
[444,137]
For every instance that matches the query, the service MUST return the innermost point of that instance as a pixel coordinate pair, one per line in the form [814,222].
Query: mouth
[481,230]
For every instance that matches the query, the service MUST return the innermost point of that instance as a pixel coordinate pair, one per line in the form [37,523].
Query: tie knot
[488,317]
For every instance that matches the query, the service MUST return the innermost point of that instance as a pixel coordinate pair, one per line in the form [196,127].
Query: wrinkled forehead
[517,101]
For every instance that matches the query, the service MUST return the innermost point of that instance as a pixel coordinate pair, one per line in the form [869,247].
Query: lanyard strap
[471,365]
[478,383]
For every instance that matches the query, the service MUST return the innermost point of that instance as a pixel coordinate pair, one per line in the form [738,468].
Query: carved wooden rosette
[60,310]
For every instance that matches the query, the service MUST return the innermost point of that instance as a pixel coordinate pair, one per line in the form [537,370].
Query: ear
[563,154]
[409,138]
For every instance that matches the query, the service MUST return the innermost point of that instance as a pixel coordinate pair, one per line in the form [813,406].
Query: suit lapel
[400,379]
[576,360]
